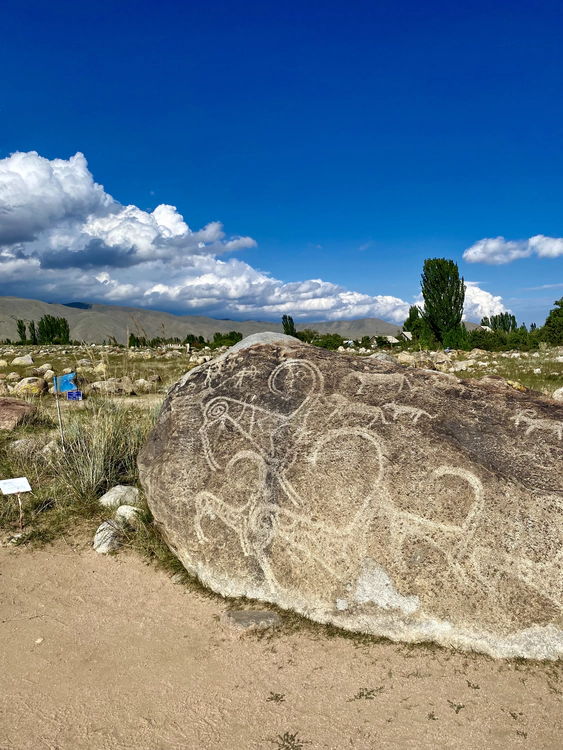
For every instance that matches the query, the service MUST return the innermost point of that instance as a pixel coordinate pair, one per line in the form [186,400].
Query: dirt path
[128,660]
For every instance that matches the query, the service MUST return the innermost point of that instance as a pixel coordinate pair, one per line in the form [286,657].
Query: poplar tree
[288,326]
[444,294]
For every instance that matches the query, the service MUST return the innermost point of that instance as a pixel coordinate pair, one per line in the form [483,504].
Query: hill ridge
[94,322]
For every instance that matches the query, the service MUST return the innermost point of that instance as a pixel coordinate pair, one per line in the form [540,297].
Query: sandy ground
[107,653]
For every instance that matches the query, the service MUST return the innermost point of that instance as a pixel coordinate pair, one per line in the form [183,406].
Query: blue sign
[63,383]
[74,395]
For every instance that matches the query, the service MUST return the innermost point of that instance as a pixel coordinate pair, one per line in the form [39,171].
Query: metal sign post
[60,419]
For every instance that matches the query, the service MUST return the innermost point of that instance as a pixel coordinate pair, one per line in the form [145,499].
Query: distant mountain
[93,323]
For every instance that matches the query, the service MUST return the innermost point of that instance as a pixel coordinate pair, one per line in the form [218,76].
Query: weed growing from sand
[287,741]
[456,706]
[367,694]
[276,698]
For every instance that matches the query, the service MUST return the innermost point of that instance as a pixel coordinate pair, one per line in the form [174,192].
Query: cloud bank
[496,251]
[63,238]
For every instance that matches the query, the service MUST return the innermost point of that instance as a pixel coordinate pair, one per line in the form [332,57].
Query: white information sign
[13,486]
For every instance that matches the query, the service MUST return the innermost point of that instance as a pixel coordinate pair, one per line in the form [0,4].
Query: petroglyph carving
[528,417]
[285,473]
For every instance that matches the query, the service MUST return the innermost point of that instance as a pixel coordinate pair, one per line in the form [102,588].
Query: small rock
[382,357]
[107,538]
[3,363]
[38,641]
[121,494]
[27,359]
[244,619]
[51,449]
[127,516]
[404,358]
[23,446]
[142,386]
[12,376]
[558,394]
[43,368]
[67,371]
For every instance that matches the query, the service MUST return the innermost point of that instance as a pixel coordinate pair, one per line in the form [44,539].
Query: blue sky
[342,142]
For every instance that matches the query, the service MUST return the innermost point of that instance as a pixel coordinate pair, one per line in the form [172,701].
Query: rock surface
[13,411]
[400,502]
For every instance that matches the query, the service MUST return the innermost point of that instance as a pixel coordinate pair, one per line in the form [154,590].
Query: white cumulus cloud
[497,250]
[63,236]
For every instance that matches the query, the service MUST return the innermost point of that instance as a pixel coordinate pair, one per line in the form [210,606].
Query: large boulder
[401,502]
[26,359]
[13,411]
[30,387]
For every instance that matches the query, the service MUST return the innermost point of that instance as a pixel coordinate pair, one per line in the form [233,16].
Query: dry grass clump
[102,440]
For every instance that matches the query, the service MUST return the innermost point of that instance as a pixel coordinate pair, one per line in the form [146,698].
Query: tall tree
[21,330]
[32,332]
[553,328]
[444,294]
[288,326]
[502,322]
[415,324]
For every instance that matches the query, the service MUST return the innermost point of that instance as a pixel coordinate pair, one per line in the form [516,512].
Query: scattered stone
[477,354]
[127,516]
[23,446]
[43,368]
[51,449]
[112,387]
[404,358]
[13,377]
[3,363]
[13,411]
[424,360]
[48,375]
[431,505]
[142,386]
[244,619]
[558,394]
[381,357]
[460,366]
[67,370]
[107,538]
[30,387]
[27,359]
[172,354]
[121,494]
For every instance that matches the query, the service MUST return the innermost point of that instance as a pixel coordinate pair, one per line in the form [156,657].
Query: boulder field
[400,502]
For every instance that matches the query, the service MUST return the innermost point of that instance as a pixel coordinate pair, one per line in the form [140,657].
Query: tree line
[49,330]
[439,322]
